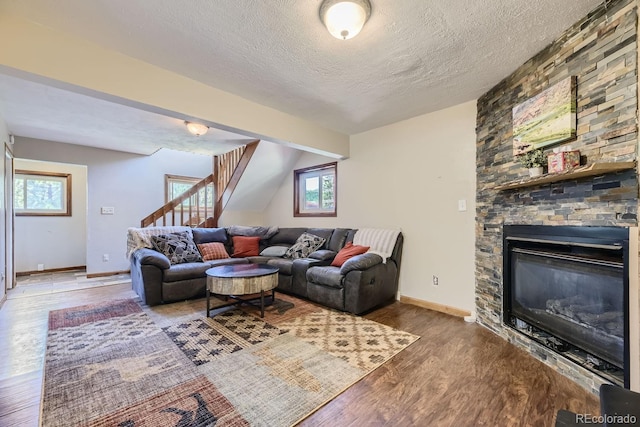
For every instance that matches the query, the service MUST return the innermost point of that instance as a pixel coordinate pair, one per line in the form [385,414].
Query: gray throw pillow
[208,235]
[305,244]
[274,251]
[178,247]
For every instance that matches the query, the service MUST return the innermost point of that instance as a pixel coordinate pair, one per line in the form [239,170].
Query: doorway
[10,274]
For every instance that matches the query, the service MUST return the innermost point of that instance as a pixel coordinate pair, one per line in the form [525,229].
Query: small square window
[315,190]
[175,185]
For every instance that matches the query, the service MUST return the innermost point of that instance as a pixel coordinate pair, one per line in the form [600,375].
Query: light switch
[107,210]
[462,205]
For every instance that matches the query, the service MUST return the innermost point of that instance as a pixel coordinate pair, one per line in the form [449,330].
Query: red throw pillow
[213,250]
[245,246]
[349,251]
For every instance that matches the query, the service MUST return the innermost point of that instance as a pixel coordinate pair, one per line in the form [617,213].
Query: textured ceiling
[35,110]
[412,57]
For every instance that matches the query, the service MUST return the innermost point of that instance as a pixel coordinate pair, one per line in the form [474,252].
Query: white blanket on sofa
[380,241]
[138,238]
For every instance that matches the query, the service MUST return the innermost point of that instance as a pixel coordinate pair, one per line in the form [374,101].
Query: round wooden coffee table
[235,280]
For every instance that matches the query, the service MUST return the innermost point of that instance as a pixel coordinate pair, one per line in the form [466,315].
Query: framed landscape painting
[545,119]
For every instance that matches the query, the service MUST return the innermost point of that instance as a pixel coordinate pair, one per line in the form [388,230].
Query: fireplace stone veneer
[601,50]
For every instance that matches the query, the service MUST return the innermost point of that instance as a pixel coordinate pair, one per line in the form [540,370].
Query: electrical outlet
[107,210]
[40,267]
[105,258]
[435,280]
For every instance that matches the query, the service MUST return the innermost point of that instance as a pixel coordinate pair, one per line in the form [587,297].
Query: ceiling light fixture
[196,128]
[344,18]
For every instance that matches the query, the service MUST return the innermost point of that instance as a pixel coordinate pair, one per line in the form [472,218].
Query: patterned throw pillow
[213,250]
[178,247]
[305,244]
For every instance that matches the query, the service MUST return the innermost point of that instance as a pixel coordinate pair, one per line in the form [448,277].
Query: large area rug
[117,364]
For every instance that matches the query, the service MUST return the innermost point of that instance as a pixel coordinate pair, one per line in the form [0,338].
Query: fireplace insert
[567,287]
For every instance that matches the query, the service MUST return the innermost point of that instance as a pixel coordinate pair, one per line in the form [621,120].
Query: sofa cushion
[305,244]
[252,231]
[276,251]
[208,235]
[338,239]
[325,233]
[349,251]
[151,257]
[226,261]
[325,275]
[259,259]
[212,250]
[322,255]
[285,265]
[244,246]
[186,271]
[178,247]
[361,262]
[287,236]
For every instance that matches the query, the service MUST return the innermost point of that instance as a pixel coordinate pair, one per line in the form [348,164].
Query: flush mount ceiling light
[196,128]
[344,18]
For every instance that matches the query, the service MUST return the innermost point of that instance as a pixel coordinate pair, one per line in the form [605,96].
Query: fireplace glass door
[567,288]
[576,298]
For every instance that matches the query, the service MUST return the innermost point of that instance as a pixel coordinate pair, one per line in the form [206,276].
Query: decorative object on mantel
[563,159]
[592,169]
[534,160]
[545,119]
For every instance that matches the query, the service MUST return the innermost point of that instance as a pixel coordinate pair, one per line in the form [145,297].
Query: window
[315,190]
[42,193]
[176,185]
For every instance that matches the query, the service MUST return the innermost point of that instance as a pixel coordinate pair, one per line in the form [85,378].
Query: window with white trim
[175,185]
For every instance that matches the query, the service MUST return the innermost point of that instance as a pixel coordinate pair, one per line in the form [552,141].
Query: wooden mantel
[592,169]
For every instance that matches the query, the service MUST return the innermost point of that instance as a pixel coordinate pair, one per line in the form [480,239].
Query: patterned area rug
[116,364]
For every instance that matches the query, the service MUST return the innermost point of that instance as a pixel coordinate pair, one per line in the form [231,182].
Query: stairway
[202,205]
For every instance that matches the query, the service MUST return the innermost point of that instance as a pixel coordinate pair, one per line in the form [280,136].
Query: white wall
[55,241]
[130,183]
[410,174]
[4,139]
[230,217]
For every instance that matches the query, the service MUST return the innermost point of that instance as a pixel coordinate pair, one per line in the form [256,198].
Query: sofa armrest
[360,262]
[371,287]
[147,256]
[323,255]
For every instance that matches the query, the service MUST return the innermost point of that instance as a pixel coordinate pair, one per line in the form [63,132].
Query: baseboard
[435,306]
[51,270]
[107,273]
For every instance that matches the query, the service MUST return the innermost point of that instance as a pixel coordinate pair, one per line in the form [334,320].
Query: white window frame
[170,179]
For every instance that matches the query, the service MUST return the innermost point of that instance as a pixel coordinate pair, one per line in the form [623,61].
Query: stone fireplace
[601,51]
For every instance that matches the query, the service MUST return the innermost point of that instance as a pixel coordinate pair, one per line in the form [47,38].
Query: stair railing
[203,204]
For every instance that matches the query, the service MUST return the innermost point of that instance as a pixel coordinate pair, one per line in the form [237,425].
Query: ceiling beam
[38,53]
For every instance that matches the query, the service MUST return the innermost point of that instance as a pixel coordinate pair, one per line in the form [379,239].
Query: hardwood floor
[456,374]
